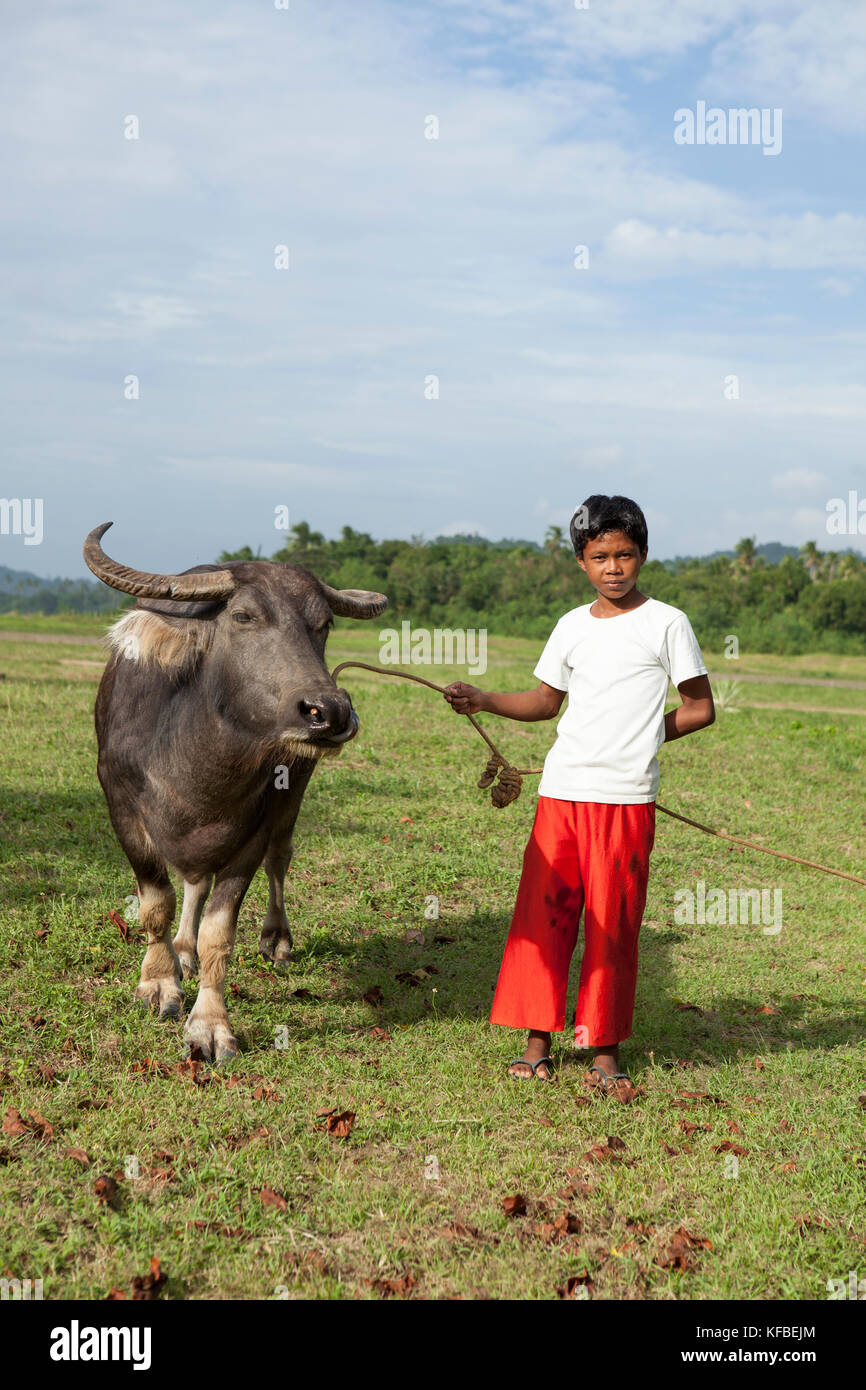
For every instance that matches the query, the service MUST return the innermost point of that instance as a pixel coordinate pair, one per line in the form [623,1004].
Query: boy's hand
[463,698]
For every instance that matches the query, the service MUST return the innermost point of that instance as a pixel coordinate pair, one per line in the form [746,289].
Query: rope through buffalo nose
[506,782]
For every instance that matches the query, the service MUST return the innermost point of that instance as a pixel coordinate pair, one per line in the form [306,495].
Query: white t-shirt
[616,672]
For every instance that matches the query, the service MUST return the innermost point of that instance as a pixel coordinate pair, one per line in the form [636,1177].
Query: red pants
[580,853]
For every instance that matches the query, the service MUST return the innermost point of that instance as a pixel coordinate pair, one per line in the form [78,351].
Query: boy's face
[612,563]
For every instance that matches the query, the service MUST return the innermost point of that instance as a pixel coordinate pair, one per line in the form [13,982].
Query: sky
[431,359]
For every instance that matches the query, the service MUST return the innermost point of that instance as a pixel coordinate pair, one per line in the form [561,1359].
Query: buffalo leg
[159,985]
[208,1028]
[275,940]
[194,898]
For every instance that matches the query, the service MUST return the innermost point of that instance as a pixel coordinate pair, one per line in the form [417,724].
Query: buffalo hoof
[281,960]
[163,996]
[188,965]
[275,943]
[211,1042]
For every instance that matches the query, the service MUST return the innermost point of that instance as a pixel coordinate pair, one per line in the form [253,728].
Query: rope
[506,782]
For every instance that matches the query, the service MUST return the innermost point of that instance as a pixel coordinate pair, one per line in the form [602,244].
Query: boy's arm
[527,705]
[697,710]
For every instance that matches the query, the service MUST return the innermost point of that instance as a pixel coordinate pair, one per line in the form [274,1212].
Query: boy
[595,818]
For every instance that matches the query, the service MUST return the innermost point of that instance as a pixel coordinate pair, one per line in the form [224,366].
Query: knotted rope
[506,782]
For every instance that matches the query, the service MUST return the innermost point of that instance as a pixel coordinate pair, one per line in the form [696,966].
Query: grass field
[242,1190]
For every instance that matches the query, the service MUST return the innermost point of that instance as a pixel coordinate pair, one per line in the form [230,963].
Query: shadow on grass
[54,839]
[466,971]
[62,837]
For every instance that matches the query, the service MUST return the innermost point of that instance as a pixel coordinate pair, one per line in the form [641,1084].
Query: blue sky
[412,257]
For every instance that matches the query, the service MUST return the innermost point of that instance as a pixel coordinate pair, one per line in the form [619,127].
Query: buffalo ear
[355,603]
[172,642]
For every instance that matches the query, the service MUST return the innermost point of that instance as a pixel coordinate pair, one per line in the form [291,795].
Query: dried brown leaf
[514,1205]
[340,1125]
[270,1198]
[146,1288]
[106,1190]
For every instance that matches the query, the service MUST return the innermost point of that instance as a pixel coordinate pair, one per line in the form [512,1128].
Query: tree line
[811,600]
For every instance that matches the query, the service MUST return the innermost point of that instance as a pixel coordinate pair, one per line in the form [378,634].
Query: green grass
[73,624]
[360,1209]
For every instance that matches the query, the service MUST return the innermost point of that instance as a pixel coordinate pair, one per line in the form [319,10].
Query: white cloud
[352,446]
[808,56]
[602,456]
[798,480]
[556,32]
[810,60]
[782,242]
[835,287]
[154,313]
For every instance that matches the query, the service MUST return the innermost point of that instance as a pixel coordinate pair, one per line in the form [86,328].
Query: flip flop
[620,1076]
[598,1085]
[607,1077]
[515,1076]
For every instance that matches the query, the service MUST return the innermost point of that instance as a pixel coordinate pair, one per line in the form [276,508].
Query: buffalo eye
[239,616]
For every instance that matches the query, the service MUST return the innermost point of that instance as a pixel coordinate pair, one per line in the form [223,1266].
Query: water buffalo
[216,682]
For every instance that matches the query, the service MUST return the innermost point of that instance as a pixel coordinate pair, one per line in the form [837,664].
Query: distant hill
[771,551]
[465,538]
[22,592]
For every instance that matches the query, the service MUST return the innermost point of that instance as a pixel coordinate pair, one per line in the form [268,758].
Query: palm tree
[745,551]
[849,565]
[829,565]
[554,539]
[811,559]
[305,539]
[306,547]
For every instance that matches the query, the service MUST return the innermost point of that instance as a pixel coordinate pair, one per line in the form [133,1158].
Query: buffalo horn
[212,584]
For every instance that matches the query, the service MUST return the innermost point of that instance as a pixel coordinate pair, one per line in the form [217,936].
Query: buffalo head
[252,636]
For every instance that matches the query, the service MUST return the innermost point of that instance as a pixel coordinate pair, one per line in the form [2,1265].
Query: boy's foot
[522,1070]
[531,1064]
[617,1084]
[604,1064]
[605,1076]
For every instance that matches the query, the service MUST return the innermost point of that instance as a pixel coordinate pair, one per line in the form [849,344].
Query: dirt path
[805,709]
[781,680]
[72,641]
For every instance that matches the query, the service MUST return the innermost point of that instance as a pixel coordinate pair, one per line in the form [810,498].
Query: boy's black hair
[599,514]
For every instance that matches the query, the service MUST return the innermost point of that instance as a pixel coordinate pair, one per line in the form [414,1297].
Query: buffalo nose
[327,714]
